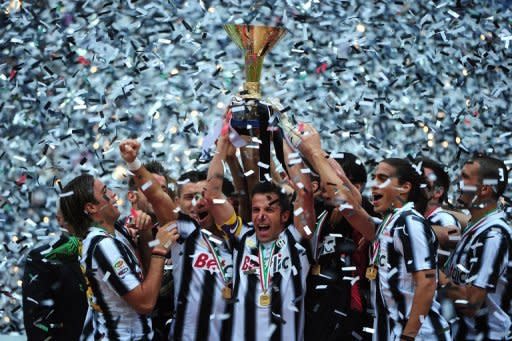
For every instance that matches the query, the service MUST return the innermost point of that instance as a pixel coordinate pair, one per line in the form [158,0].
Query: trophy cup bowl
[255,42]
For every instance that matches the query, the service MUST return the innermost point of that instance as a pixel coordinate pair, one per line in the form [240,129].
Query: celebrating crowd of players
[303,255]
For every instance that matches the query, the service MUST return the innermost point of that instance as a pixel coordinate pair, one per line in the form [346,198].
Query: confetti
[249,173]
[298,211]
[149,71]
[145,186]
[263,165]
[153,243]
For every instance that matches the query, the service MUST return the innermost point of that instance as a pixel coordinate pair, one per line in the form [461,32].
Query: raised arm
[240,184]
[220,208]
[303,208]
[337,190]
[163,206]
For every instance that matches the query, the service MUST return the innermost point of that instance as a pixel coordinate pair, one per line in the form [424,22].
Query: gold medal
[371,272]
[315,269]
[227,293]
[264,300]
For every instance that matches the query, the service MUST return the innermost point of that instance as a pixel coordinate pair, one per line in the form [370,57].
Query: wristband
[406,337]
[134,165]
[160,253]
[157,256]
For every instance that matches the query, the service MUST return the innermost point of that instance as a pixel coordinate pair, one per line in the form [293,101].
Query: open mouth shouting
[263,232]
[376,198]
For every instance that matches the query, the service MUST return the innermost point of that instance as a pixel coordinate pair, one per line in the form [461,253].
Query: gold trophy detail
[255,42]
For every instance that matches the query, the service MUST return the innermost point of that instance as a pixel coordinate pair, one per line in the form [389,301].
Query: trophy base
[250,116]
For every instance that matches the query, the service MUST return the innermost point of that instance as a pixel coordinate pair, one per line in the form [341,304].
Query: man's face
[470,182]
[267,216]
[431,179]
[106,209]
[385,189]
[141,202]
[192,203]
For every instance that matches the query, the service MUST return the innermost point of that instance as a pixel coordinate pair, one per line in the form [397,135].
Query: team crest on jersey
[120,267]
[281,243]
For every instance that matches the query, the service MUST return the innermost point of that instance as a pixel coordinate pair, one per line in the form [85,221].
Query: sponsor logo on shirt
[457,275]
[280,263]
[206,261]
[250,264]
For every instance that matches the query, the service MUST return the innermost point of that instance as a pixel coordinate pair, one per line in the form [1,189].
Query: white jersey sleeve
[112,260]
[416,241]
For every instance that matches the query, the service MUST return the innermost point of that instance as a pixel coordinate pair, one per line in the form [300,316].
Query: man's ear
[132,197]
[90,209]
[285,216]
[405,188]
[358,185]
[315,186]
[486,191]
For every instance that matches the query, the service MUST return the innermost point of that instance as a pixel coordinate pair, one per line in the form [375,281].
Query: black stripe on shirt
[227,324]
[493,277]
[276,309]
[184,289]
[109,321]
[146,329]
[88,328]
[105,265]
[482,323]
[394,262]
[205,309]
[417,231]
[249,304]
[381,314]
[297,283]
[440,331]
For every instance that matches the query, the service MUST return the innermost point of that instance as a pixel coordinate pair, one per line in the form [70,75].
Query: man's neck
[109,227]
[479,213]
[431,207]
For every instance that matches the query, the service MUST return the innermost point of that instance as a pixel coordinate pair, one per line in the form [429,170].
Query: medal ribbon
[218,260]
[470,229]
[265,267]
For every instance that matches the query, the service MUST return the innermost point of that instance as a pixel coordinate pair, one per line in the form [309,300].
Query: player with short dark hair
[478,274]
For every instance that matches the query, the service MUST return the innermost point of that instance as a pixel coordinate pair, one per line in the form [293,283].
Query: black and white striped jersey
[112,270]
[483,258]
[442,218]
[281,317]
[201,310]
[406,244]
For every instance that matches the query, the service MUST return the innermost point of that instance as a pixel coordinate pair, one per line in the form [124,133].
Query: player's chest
[256,261]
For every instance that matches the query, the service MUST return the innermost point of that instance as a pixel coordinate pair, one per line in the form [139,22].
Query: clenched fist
[129,149]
